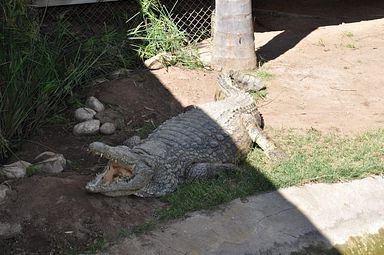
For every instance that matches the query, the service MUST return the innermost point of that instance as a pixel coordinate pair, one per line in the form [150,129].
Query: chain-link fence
[93,18]
[192,16]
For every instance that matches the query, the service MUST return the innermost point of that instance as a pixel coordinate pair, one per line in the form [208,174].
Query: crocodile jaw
[116,177]
[119,154]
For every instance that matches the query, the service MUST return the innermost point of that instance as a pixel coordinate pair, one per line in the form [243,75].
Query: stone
[157,62]
[132,141]
[17,169]
[204,50]
[120,73]
[50,162]
[95,104]
[88,127]
[107,128]
[112,116]
[84,113]
[3,192]
[8,230]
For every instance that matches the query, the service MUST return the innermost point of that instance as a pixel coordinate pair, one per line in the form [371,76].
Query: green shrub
[40,70]
[158,33]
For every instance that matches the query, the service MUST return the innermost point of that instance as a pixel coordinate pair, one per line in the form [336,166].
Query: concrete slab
[278,222]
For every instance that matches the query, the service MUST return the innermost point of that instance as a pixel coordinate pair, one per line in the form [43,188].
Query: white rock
[17,169]
[204,49]
[50,162]
[107,128]
[9,230]
[89,127]
[156,62]
[84,113]
[95,104]
[3,192]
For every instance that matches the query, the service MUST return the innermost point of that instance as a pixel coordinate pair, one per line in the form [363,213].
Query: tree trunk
[233,39]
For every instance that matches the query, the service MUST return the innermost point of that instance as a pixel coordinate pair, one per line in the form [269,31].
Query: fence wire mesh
[92,18]
[191,16]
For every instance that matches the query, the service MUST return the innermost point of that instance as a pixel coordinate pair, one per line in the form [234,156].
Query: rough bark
[233,40]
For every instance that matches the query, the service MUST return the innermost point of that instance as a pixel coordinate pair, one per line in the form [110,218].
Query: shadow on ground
[298,18]
[58,216]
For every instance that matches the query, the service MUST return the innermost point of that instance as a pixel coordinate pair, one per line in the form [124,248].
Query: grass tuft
[146,129]
[318,157]
[320,43]
[32,170]
[350,46]
[207,194]
[158,33]
[259,95]
[264,74]
[348,34]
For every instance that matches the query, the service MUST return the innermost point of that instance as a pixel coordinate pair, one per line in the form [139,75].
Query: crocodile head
[126,172]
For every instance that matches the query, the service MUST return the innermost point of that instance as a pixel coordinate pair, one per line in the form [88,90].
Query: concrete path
[278,222]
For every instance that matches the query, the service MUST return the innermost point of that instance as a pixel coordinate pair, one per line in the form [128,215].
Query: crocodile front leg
[203,170]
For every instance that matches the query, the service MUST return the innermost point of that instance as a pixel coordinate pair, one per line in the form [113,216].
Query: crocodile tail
[226,86]
[247,82]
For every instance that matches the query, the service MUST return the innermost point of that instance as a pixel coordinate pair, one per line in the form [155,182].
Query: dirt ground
[327,75]
[57,215]
[328,72]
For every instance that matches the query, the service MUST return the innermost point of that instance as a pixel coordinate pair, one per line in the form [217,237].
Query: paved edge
[278,222]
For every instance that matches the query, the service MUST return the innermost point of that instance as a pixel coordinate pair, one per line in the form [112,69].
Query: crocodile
[199,143]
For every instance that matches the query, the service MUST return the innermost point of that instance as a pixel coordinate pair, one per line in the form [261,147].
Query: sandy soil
[326,75]
[332,79]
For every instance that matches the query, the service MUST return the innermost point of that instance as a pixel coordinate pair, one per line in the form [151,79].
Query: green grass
[259,95]
[98,245]
[348,34]
[42,70]
[317,157]
[264,74]
[349,37]
[207,194]
[350,46]
[158,33]
[32,170]
[372,244]
[314,157]
[146,129]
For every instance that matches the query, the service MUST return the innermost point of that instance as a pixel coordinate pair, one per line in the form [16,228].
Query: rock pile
[95,118]
[46,162]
